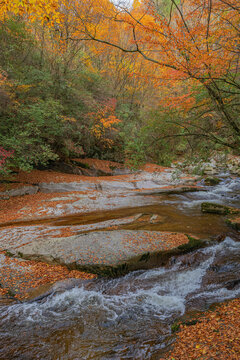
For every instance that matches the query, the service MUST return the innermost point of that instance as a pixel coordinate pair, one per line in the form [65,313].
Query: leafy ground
[216,335]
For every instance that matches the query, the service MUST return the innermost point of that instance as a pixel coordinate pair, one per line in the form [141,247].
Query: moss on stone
[145,257]
[207,207]
[9,253]
[175,326]
[192,244]
[212,180]
[233,223]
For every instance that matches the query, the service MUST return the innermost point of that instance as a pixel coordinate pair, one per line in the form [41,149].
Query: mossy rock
[207,207]
[175,327]
[193,244]
[212,180]
[234,223]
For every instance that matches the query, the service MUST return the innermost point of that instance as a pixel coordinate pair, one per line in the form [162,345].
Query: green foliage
[46,101]
[134,144]
[148,139]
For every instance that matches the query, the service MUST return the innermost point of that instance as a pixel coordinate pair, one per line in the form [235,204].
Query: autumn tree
[196,43]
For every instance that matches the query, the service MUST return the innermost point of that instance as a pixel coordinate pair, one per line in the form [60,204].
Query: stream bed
[130,317]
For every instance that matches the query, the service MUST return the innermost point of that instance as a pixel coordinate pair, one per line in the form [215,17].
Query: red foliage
[4,155]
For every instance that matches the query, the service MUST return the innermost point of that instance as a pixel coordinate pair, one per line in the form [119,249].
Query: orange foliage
[104,123]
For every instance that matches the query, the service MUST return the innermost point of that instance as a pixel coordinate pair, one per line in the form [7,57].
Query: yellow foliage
[68,118]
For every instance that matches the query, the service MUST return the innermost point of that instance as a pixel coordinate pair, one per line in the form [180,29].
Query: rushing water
[227,192]
[129,317]
[125,318]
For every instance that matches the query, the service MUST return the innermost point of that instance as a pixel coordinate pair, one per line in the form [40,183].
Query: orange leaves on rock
[21,276]
[215,336]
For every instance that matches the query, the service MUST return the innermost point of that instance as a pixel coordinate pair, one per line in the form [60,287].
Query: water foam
[162,291]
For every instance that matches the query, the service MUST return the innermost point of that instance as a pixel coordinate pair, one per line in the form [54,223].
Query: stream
[130,317]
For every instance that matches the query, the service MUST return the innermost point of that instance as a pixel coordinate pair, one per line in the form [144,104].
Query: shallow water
[227,192]
[180,213]
[130,317]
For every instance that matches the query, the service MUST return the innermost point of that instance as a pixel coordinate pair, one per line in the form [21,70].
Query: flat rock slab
[92,200]
[140,181]
[102,248]
[74,203]
[15,237]
[147,186]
